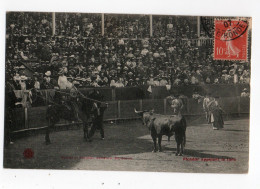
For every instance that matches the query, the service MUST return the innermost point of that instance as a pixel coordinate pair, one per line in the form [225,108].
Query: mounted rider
[68,100]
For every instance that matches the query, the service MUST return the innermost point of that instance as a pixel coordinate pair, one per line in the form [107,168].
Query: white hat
[23,77]
[48,73]
[27,40]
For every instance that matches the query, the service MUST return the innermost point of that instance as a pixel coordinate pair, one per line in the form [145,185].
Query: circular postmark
[224,29]
[227,30]
[28,153]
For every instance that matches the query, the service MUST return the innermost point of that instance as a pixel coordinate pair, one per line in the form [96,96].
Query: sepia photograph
[127,92]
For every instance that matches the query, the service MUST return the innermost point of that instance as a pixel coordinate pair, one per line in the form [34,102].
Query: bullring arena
[133,62]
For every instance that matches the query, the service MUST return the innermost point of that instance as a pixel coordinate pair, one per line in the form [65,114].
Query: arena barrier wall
[221,90]
[158,92]
[34,117]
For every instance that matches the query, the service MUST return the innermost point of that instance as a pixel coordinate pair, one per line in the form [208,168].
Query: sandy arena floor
[128,147]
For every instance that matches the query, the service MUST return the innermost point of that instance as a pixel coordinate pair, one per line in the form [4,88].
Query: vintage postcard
[127,92]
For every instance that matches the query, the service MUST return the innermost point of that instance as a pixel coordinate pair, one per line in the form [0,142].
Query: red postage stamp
[231,39]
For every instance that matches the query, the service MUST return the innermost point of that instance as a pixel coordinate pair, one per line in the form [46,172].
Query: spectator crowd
[125,55]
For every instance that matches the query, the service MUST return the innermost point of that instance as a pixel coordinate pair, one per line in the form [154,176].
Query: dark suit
[98,120]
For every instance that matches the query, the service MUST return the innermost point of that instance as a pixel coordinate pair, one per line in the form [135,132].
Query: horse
[77,107]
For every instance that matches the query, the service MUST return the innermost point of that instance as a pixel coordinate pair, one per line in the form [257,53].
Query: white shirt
[150,82]
[112,83]
[23,85]
[235,78]
[37,85]
[62,82]
[163,82]
[193,80]
[119,84]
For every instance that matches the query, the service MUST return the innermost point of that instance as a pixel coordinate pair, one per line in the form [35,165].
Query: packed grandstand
[98,50]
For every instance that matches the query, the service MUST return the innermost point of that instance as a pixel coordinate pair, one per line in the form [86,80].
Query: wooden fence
[31,118]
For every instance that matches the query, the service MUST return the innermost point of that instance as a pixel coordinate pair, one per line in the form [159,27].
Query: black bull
[160,125]
[74,109]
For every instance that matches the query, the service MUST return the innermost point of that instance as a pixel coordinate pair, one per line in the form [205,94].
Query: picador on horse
[75,106]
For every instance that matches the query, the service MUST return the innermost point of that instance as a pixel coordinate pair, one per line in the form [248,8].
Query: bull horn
[140,113]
